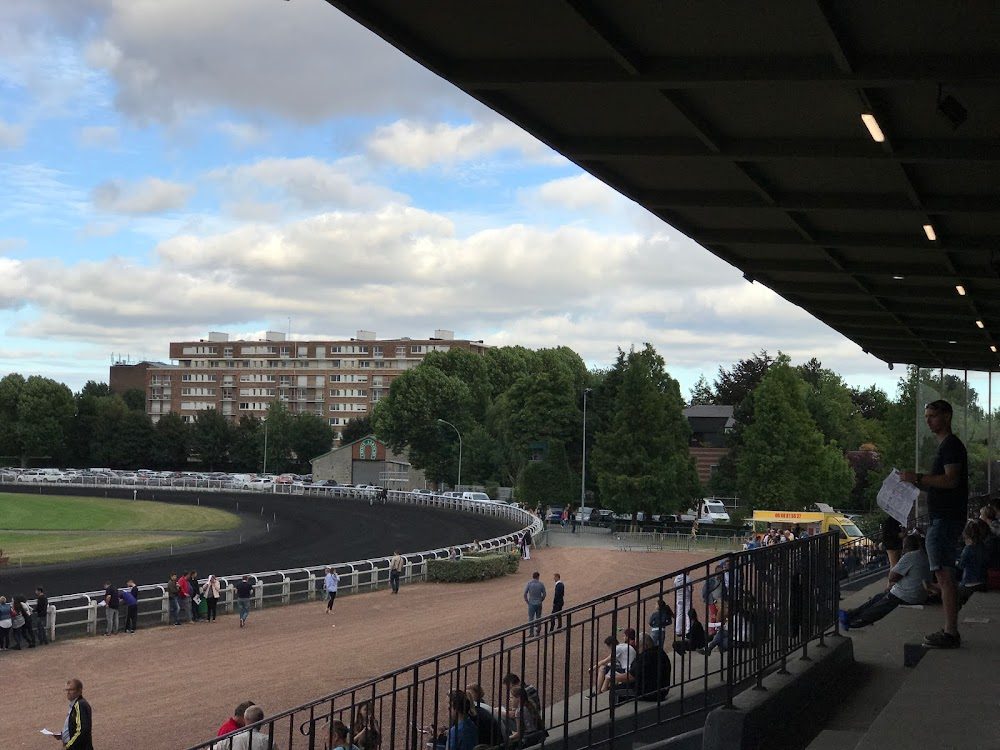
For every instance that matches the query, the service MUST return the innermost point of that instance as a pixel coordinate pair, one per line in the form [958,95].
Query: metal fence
[653,541]
[772,603]
[79,614]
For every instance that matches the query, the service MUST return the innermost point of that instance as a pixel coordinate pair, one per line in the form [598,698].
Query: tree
[135,399]
[310,436]
[106,447]
[733,386]
[95,389]
[212,437]
[830,404]
[171,442]
[355,429]
[701,393]
[10,392]
[548,481]
[783,462]
[642,461]
[407,419]
[136,440]
[45,409]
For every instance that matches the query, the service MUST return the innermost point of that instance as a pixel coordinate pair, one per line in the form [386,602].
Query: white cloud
[11,136]
[303,60]
[8,244]
[149,196]
[582,192]
[100,229]
[243,134]
[310,183]
[98,136]
[419,145]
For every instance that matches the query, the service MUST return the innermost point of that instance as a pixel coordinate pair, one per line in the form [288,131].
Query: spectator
[558,599]
[17,622]
[77,733]
[41,616]
[989,514]
[659,621]
[131,609]
[528,728]
[695,638]
[892,540]
[972,562]
[173,597]
[6,623]
[906,586]
[616,662]
[682,604]
[564,518]
[525,545]
[649,673]
[26,631]
[488,728]
[462,732]
[255,739]
[330,582]
[366,732]
[236,721]
[396,569]
[184,594]
[947,501]
[111,603]
[741,634]
[340,741]
[211,590]
[244,589]
[511,681]
[534,595]
[195,596]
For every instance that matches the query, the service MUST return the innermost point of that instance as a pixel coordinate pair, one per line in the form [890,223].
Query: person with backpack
[661,618]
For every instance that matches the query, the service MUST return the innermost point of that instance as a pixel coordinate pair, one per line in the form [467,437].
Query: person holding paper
[947,488]
[77,733]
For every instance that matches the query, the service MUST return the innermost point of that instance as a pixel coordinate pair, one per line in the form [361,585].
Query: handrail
[779,599]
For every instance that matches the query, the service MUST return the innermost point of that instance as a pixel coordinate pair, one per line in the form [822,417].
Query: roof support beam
[877,202]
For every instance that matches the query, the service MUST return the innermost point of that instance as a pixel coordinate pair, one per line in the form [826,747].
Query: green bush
[473,567]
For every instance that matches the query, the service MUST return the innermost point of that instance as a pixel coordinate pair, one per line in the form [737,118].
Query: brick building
[336,379]
[709,426]
[368,461]
[127,376]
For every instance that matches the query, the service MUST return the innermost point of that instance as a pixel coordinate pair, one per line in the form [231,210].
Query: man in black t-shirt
[111,603]
[947,488]
[244,590]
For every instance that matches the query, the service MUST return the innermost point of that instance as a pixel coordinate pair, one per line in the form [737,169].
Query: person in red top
[236,721]
[184,594]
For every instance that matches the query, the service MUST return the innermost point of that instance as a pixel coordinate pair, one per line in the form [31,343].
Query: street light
[583,462]
[441,421]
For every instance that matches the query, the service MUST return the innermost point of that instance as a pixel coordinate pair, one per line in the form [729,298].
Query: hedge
[473,568]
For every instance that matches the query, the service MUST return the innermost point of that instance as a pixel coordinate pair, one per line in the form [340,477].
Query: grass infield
[60,513]
[42,529]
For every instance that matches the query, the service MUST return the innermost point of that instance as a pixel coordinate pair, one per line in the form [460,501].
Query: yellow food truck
[818,522]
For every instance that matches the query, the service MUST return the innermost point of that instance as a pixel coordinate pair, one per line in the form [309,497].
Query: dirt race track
[167,688]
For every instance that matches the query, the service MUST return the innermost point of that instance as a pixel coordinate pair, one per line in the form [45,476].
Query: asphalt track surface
[278,532]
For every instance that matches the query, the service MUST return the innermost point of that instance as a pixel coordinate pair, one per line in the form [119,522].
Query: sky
[173,168]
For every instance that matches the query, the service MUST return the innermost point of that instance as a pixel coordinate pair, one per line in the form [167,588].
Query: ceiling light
[953,341]
[929,231]
[899,278]
[980,324]
[872,124]
[993,349]
[960,289]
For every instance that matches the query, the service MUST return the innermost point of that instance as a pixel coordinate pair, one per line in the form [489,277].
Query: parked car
[258,485]
[553,514]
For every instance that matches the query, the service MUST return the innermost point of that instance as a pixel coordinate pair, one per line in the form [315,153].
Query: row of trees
[802,434]
[42,419]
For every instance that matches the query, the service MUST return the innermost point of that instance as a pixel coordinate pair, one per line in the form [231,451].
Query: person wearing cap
[947,487]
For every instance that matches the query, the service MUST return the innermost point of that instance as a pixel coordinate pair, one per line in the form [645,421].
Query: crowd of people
[21,624]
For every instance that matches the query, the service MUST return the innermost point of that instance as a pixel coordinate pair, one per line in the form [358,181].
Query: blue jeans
[720,640]
[944,537]
[243,605]
[175,610]
[534,619]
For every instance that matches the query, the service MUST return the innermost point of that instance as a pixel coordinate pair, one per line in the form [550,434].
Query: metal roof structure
[740,125]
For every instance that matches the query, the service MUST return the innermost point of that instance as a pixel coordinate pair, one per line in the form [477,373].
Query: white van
[480,496]
[709,510]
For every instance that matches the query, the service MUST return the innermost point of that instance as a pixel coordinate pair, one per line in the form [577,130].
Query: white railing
[79,614]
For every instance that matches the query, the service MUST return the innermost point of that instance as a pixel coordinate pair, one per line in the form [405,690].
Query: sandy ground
[171,687]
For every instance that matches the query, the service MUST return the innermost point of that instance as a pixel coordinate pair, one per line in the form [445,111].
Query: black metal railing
[769,603]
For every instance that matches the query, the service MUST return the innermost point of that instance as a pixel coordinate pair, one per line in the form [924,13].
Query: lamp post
[583,462]
[441,421]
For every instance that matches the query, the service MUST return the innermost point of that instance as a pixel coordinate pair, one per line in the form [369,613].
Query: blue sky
[167,169]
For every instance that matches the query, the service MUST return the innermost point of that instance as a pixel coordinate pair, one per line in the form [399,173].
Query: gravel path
[168,688]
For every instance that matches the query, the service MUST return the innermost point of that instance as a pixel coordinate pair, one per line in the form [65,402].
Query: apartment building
[338,380]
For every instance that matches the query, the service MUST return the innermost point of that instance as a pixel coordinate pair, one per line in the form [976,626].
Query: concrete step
[836,739]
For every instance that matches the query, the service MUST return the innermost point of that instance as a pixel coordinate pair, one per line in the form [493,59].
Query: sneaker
[842,616]
[942,639]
